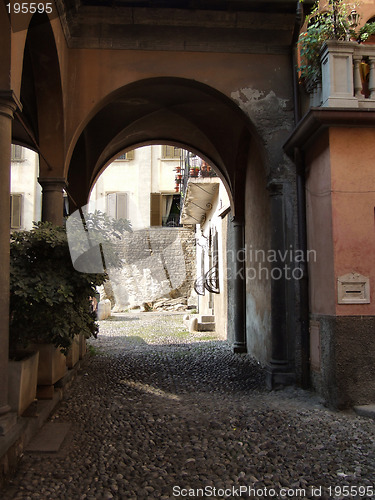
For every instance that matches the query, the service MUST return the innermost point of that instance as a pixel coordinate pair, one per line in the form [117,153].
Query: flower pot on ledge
[22,380]
[52,367]
[82,346]
[73,354]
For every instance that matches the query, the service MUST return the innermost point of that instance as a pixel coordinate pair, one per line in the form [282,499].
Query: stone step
[206,326]
[206,319]
[365,410]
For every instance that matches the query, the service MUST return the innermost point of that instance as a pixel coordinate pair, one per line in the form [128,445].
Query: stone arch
[40,126]
[164,110]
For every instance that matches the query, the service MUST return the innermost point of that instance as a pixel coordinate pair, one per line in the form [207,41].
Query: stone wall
[157,262]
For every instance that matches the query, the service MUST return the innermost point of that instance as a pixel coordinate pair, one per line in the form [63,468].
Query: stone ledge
[365,411]
[13,444]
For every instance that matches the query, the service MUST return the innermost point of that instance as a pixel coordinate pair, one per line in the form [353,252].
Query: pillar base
[239,347]
[7,422]
[279,375]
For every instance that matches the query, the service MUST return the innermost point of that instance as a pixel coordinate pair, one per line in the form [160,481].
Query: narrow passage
[158,412]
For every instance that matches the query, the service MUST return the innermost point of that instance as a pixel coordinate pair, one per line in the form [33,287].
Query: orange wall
[353,202]
[340,200]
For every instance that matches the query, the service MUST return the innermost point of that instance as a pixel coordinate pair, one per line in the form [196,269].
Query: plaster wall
[257,244]
[353,202]
[340,198]
[319,228]
[94,74]
[218,224]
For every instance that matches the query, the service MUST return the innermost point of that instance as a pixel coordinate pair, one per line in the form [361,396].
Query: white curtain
[167,204]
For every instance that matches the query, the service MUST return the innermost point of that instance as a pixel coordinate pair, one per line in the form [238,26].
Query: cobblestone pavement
[160,413]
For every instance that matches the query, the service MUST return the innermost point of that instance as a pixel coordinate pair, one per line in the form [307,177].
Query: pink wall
[353,202]
[340,199]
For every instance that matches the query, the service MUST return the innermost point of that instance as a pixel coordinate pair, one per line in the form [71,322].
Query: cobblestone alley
[157,412]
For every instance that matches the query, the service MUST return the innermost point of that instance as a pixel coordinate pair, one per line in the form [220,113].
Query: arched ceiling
[163,110]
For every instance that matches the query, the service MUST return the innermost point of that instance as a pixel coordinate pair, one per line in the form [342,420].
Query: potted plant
[49,299]
[339,24]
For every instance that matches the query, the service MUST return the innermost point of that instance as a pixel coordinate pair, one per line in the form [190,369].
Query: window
[17,153]
[15,211]
[117,205]
[129,155]
[170,152]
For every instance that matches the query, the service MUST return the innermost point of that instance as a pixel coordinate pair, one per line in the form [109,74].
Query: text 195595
[29,8]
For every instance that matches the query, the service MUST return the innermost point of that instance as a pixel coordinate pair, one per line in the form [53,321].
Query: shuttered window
[15,211]
[129,155]
[170,152]
[117,205]
[155,209]
[17,153]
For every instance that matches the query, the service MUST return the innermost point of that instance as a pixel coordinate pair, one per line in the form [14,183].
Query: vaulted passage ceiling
[160,110]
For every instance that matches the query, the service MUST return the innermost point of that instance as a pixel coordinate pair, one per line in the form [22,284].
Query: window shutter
[155,209]
[126,156]
[122,201]
[170,152]
[15,211]
[16,152]
[111,205]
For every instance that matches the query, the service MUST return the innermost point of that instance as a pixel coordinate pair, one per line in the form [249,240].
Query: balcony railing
[191,167]
[348,76]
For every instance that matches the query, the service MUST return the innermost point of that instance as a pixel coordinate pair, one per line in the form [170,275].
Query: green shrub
[323,26]
[49,299]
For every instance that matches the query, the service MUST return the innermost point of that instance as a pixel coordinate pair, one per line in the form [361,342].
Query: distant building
[141,185]
[206,206]
[25,198]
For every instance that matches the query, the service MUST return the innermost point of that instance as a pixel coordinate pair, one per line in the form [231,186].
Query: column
[279,371]
[357,77]
[239,320]
[52,199]
[7,107]
[371,85]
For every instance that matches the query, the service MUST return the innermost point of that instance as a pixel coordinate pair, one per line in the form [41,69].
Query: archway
[188,114]
[173,110]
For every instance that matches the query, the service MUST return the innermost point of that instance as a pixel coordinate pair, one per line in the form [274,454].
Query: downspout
[301,214]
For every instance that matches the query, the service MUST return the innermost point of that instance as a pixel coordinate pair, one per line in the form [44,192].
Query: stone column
[239,320]
[279,369]
[357,77]
[52,199]
[371,84]
[8,105]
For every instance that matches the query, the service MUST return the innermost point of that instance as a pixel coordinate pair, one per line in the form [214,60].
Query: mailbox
[353,288]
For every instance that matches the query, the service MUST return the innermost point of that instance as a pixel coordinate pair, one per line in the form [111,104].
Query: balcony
[348,76]
[198,199]
[198,184]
